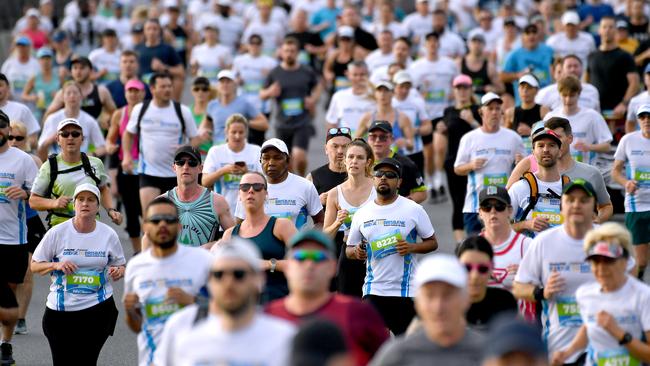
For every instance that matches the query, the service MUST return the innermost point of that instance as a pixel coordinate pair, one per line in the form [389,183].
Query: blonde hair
[612,233]
[18,125]
[236,118]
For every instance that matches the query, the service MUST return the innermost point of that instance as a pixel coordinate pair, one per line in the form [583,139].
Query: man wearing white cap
[20,66]
[486,155]
[289,195]
[441,301]
[572,40]
[349,105]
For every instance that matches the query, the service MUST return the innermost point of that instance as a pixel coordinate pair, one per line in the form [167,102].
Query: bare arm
[617,173]
[605,212]
[319,218]
[57,103]
[418,196]
[330,224]
[113,132]
[260,122]
[363,125]
[407,129]
[225,217]
[107,100]
[27,91]
[523,291]
[522,167]
[464,169]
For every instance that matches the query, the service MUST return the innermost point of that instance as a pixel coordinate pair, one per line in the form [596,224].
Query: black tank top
[480,78]
[526,116]
[324,179]
[92,104]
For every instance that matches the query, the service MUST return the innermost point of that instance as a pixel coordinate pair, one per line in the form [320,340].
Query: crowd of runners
[532,117]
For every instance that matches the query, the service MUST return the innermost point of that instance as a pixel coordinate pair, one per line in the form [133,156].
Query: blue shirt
[219,113]
[539,60]
[597,12]
[326,15]
[164,52]
[116,88]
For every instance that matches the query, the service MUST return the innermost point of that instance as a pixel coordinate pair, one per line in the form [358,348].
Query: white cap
[489,97]
[239,248]
[402,77]
[228,74]
[67,122]
[441,267]
[570,17]
[345,31]
[86,187]
[43,2]
[385,83]
[33,12]
[644,108]
[171,4]
[530,80]
[275,143]
[224,2]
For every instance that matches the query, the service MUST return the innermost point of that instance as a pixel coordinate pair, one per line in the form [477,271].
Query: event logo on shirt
[576,267]
[493,151]
[384,222]
[282,202]
[632,153]
[85,253]
[165,282]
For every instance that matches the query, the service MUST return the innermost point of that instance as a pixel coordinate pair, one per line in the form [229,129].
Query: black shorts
[418,159]
[162,183]
[113,161]
[13,263]
[298,137]
[7,297]
[397,312]
[427,139]
[35,232]
[256,137]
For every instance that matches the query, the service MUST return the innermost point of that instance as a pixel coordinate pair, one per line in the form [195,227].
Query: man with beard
[161,279]
[384,233]
[233,332]
[296,90]
[333,173]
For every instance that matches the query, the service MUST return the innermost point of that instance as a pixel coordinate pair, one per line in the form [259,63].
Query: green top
[204,147]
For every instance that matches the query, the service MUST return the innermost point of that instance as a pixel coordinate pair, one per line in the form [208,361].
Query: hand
[606,321]
[341,215]
[115,216]
[403,248]
[61,202]
[523,129]
[275,90]
[310,104]
[178,296]
[467,115]
[620,110]
[323,198]
[16,193]
[360,252]
[581,146]
[205,134]
[131,302]
[239,170]
[112,148]
[157,65]
[512,269]
[478,163]
[116,273]
[631,186]
[67,267]
[559,358]
[554,285]
[401,142]
[537,224]
[127,164]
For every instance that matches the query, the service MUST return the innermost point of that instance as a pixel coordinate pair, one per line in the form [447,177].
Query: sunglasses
[340,131]
[237,274]
[193,163]
[316,256]
[17,138]
[66,134]
[381,138]
[386,173]
[255,43]
[479,267]
[168,219]
[203,89]
[499,206]
[257,187]
[4,124]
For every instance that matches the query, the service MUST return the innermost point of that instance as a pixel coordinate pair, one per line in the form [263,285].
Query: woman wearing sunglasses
[614,309]
[82,256]
[202,94]
[476,254]
[342,202]
[270,234]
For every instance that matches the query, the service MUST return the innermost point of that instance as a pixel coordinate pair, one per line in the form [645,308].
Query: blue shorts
[471,223]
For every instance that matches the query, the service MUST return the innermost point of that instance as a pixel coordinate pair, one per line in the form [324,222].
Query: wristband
[538,293]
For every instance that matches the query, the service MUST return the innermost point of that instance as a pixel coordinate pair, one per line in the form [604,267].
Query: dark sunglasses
[317,256]
[169,219]
[203,89]
[381,138]
[386,173]
[66,134]
[237,274]
[257,187]
[4,124]
[17,138]
[479,267]
[499,206]
[255,43]
[193,163]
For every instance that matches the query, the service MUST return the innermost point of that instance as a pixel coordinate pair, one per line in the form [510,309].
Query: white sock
[429,181]
[437,179]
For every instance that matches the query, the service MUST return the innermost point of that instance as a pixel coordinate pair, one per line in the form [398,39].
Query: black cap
[494,192]
[389,162]
[188,150]
[510,21]
[3,77]
[81,60]
[547,133]
[201,80]
[530,28]
[137,28]
[381,125]
[109,32]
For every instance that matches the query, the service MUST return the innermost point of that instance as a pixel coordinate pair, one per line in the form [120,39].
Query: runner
[40,89]
[550,95]
[20,67]
[202,94]
[18,111]
[384,232]
[106,59]
[210,57]
[522,117]
[348,106]
[270,234]
[337,61]
[309,296]
[81,255]
[382,56]
[334,172]
[226,163]
[162,279]
[572,41]
[128,70]
[477,65]
[631,123]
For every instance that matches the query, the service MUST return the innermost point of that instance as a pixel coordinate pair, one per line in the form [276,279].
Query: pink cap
[134,84]
[462,79]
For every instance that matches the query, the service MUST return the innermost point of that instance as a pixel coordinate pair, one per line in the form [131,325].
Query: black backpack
[55,172]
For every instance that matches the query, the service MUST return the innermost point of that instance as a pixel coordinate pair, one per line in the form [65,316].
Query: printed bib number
[210,73]
[435,96]
[384,245]
[231,181]
[304,58]
[157,310]
[292,107]
[642,176]
[568,311]
[617,358]
[83,282]
[554,218]
[578,156]
[3,194]
[253,87]
[495,180]
[341,82]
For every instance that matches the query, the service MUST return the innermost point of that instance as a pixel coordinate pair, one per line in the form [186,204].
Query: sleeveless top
[92,104]
[397,131]
[351,209]
[197,218]
[526,116]
[270,247]
[340,80]
[480,78]
[47,88]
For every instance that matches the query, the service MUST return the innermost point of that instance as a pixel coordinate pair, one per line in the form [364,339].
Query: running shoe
[21,327]
[7,358]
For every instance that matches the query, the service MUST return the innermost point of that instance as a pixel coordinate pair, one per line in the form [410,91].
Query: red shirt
[360,323]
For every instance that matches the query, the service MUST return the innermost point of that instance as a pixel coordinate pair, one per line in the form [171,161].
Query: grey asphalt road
[32,349]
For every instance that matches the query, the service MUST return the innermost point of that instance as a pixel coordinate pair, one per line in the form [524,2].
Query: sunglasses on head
[66,134]
[4,124]
[237,274]
[479,267]
[499,206]
[193,163]
[257,187]
[169,219]
[201,88]
[316,256]
[339,131]
[17,138]
[386,173]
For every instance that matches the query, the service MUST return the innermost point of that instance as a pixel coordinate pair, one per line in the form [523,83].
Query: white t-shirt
[253,72]
[92,252]
[418,25]
[589,127]
[19,73]
[506,254]
[376,59]
[380,227]
[271,33]
[581,46]
[220,156]
[499,149]
[211,60]
[209,344]
[547,205]
[109,61]
[628,305]
[17,168]
[160,135]
[638,100]
[295,199]
[179,322]
[393,27]
[150,277]
[634,149]
[19,112]
[89,126]
[347,108]
[451,45]
[433,79]
[549,96]
[381,72]
[415,109]
[230,29]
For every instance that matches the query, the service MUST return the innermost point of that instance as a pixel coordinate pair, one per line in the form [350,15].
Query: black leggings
[128,187]
[397,312]
[457,190]
[77,337]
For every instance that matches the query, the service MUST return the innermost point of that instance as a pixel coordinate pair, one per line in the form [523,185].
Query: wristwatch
[627,338]
[538,294]
[274,263]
